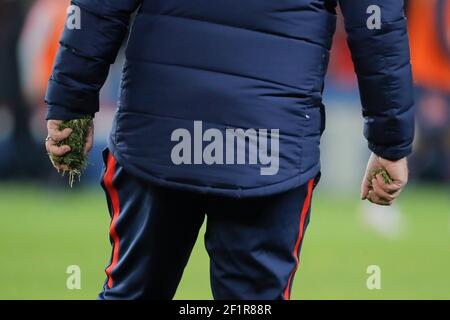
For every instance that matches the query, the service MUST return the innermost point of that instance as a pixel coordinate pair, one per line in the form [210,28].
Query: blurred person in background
[16,144]
[429,29]
[36,50]
[39,43]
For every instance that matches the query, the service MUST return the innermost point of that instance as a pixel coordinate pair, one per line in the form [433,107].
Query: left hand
[375,189]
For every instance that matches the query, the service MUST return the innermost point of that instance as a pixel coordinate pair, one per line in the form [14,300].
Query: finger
[57,135]
[50,142]
[53,129]
[390,188]
[378,190]
[372,197]
[53,124]
[375,200]
[364,188]
[55,150]
[89,141]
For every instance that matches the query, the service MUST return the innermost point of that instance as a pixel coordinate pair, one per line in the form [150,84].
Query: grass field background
[42,231]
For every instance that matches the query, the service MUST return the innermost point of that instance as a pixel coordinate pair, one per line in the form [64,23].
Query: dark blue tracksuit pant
[253,243]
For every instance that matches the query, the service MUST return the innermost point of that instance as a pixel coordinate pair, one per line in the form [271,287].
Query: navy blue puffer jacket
[200,74]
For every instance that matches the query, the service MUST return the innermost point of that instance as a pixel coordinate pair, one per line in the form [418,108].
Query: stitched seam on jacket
[227,126]
[305,92]
[238,27]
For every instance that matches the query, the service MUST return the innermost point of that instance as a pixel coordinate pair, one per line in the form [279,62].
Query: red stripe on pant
[303,215]
[114,198]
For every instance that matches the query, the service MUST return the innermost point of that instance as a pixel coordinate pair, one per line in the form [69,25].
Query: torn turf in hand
[384,174]
[76,159]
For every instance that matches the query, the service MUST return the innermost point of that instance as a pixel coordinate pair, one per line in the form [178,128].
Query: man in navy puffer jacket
[221,112]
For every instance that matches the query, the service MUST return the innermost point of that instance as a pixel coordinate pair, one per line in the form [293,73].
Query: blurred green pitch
[44,231]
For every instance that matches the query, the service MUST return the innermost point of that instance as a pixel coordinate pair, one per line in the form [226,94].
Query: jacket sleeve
[382,63]
[85,55]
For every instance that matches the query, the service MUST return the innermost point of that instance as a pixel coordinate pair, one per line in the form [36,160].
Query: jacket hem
[260,191]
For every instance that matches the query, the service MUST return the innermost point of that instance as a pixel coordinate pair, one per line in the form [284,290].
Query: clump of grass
[384,174]
[76,159]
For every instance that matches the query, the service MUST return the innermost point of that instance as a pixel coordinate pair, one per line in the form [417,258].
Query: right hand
[54,136]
